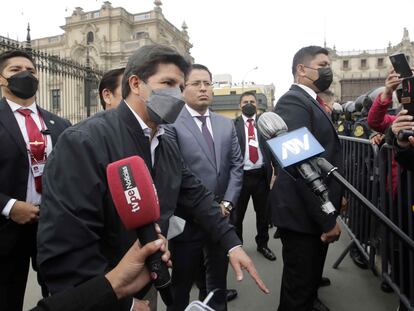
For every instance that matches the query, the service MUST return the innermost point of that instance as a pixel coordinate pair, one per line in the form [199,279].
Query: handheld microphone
[296,149]
[136,201]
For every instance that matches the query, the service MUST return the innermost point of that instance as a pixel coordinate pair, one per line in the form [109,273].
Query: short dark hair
[109,81]
[247,93]
[144,63]
[4,57]
[199,67]
[306,54]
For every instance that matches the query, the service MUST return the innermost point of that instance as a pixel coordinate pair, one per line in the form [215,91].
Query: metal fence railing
[66,88]
[386,227]
[361,170]
[397,203]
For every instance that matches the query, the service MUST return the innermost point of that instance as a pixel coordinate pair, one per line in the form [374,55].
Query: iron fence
[389,232]
[397,203]
[66,87]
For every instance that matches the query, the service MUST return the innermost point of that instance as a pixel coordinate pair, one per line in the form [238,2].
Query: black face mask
[164,105]
[249,110]
[23,84]
[325,79]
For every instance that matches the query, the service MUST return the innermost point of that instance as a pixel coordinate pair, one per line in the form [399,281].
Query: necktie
[36,143]
[207,135]
[253,153]
[322,103]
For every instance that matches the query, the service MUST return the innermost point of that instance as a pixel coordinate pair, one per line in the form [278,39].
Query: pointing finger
[255,276]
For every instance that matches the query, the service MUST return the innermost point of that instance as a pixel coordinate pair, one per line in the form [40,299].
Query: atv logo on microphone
[294,147]
[131,192]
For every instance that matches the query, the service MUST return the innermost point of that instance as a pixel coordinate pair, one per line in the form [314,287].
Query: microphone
[296,149]
[271,125]
[136,202]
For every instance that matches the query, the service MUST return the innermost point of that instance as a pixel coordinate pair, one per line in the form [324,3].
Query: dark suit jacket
[80,233]
[14,167]
[267,157]
[95,294]
[224,176]
[294,206]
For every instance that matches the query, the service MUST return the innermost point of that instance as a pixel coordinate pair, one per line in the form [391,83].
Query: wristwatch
[227,205]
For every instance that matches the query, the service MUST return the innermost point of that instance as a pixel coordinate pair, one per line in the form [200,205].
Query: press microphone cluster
[134,195]
[295,152]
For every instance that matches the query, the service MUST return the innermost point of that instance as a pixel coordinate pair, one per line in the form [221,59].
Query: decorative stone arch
[90,31]
[78,53]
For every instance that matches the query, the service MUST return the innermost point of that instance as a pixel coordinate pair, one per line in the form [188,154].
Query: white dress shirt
[154,142]
[307,90]
[32,196]
[249,165]
[196,114]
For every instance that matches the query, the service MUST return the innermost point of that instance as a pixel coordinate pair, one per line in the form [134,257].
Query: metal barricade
[361,170]
[387,227]
[397,203]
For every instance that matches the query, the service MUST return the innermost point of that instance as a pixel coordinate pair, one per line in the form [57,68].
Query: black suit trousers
[14,269]
[187,258]
[303,260]
[201,261]
[254,186]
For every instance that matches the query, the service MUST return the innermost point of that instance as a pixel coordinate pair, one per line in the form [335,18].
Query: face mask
[249,110]
[325,79]
[23,84]
[164,105]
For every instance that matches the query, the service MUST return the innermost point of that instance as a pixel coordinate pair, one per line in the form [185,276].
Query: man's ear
[300,70]
[106,95]
[135,84]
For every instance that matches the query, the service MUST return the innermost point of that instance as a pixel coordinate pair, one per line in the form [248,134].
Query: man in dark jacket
[103,292]
[27,135]
[305,229]
[257,174]
[80,234]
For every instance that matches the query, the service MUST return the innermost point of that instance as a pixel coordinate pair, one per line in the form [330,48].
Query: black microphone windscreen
[270,125]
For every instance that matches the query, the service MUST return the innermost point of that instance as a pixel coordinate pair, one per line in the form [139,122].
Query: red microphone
[136,201]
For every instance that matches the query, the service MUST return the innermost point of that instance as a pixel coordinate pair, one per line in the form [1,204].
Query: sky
[235,36]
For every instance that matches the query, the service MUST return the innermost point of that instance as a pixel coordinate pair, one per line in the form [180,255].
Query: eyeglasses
[198,84]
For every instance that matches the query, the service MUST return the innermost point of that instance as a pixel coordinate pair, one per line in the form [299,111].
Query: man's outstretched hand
[239,261]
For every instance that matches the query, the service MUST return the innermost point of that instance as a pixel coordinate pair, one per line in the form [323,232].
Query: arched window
[89,37]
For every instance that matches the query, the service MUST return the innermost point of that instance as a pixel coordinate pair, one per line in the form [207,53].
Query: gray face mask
[164,105]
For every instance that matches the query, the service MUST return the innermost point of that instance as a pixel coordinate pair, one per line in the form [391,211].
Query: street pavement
[352,288]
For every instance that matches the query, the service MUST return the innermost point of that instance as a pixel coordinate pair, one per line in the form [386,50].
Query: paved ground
[352,288]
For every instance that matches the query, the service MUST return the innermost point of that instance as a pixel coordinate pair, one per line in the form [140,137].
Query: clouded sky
[234,36]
